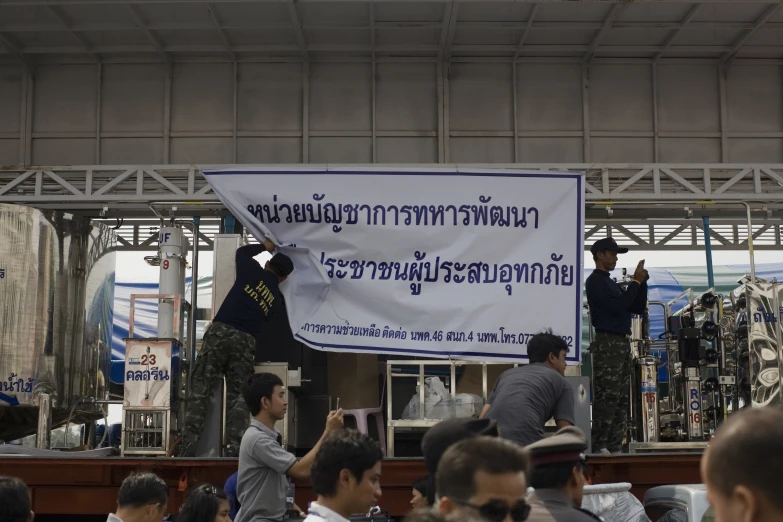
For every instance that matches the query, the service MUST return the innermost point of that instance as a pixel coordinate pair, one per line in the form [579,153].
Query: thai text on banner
[440,262]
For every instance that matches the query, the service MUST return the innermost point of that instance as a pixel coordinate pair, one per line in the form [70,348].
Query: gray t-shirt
[526,397]
[261,482]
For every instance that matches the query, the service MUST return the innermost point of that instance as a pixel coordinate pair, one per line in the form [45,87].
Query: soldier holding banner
[230,344]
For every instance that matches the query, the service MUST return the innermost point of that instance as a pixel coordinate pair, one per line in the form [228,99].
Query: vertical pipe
[228,223]
[708,252]
[44,433]
[750,244]
[193,296]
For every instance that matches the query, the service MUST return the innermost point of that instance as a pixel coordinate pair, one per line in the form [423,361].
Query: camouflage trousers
[612,366]
[228,351]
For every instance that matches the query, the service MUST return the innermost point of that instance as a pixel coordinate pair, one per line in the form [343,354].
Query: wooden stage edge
[73,486]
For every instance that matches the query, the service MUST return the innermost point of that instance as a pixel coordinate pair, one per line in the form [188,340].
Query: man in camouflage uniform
[610,313]
[230,344]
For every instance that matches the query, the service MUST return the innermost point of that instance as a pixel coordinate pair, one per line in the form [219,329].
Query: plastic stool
[361,414]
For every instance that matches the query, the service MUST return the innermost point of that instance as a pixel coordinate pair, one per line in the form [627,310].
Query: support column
[708,252]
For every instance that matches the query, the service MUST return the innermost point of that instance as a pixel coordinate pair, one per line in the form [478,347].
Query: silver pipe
[750,244]
[68,422]
[105,427]
[43,436]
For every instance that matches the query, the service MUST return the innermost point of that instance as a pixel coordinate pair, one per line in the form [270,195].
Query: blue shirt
[230,490]
[253,296]
[610,307]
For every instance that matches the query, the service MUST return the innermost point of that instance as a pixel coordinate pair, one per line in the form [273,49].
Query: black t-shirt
[254,295]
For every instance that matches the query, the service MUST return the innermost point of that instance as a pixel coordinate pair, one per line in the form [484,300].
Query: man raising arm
[610,313]
[230,344]
[264,464]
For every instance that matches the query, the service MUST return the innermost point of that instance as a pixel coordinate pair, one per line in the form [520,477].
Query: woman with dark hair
[205,503]
[420,487]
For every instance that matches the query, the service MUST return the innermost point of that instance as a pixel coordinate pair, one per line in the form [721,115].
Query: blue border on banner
[440,172]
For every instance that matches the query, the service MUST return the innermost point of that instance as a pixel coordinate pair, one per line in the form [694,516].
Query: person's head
[484,476]
[15,504]
[265,394]
[446,433]
[347,471]
[605,253]
[549,349]
[205,503]
[419,493]
[742,464]
[143,497]
[558,462]
[280,265]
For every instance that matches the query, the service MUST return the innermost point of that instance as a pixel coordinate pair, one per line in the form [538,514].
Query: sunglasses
[497,510]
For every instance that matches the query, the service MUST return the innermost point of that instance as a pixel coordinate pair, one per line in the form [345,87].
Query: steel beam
[448,28]
[297,26]
[613,13]
[680,28]
[768,13]
[218,25]
[63,18]
[138,18]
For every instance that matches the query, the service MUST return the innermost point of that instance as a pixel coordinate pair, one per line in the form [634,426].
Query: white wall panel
[202,97]
[201,150]
[476,111]
[340,96]
[482,150]
[406,97]
[269,150]
[407,150]
[10,94]
[549,97]
[129,151]
[622,150]
[683,150]
[132,97]
[753,96]
[65,98]
[269,97]
[340,150]
[63,151]
[688,98]
[755,150]
[546,150]
[9,151]
[480,97]
[621,98]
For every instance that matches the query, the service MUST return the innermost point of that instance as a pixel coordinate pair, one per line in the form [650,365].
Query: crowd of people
[475,475]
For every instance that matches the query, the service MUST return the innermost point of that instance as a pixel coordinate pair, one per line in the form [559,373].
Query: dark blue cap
[607,243]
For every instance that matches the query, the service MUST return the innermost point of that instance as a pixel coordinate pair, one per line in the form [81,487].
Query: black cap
[446,433]
[607,243]
[567,445]
[282,264]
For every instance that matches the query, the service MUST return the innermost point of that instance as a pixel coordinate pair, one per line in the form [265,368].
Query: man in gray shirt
[526,397]
[264,465]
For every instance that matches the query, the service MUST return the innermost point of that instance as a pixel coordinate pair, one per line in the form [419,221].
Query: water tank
[56,314]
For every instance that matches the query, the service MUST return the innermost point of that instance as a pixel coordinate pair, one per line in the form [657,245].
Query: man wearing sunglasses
[557,472]
[484,476]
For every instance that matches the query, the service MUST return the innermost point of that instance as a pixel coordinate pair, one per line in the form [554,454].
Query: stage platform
[73,486]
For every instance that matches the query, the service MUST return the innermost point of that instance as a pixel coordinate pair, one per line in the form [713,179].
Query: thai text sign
[431,262]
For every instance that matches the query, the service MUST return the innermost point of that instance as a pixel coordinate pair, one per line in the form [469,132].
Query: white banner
[433,262]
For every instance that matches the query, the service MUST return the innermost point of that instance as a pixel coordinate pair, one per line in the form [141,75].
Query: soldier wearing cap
[610,312]
[557,466]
